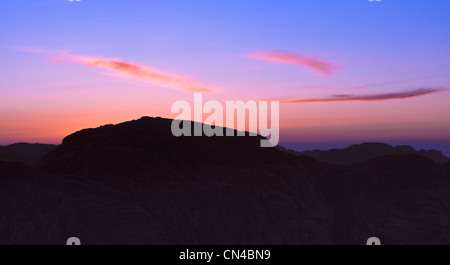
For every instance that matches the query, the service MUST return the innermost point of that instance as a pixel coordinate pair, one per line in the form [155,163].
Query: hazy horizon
[442,145]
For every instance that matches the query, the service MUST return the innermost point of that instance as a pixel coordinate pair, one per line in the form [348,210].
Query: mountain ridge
[357,153]
[27,153]
[135,183]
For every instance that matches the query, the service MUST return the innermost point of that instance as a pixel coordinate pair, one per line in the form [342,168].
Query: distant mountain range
[29,154]
[135,183]
[362,152]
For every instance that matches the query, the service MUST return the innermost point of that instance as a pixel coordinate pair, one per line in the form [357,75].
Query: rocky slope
[135,183]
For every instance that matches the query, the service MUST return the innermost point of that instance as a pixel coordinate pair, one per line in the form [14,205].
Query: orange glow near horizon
[338,66]
[298,122]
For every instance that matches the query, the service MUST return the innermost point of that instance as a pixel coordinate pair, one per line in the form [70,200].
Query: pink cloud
[368,97]
[121,68]
[320,67]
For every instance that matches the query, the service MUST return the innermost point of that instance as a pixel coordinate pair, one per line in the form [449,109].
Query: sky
[344,72]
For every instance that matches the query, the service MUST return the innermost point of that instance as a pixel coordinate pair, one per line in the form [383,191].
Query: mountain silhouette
[136,183]
[362,152]
[28,154]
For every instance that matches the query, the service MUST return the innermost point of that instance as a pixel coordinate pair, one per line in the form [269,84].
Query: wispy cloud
[368,97]
[320,67]
[121,68]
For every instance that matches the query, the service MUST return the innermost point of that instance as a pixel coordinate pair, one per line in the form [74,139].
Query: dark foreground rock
[135,183]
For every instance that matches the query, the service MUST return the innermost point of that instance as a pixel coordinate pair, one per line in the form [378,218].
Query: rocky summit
[136,183]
